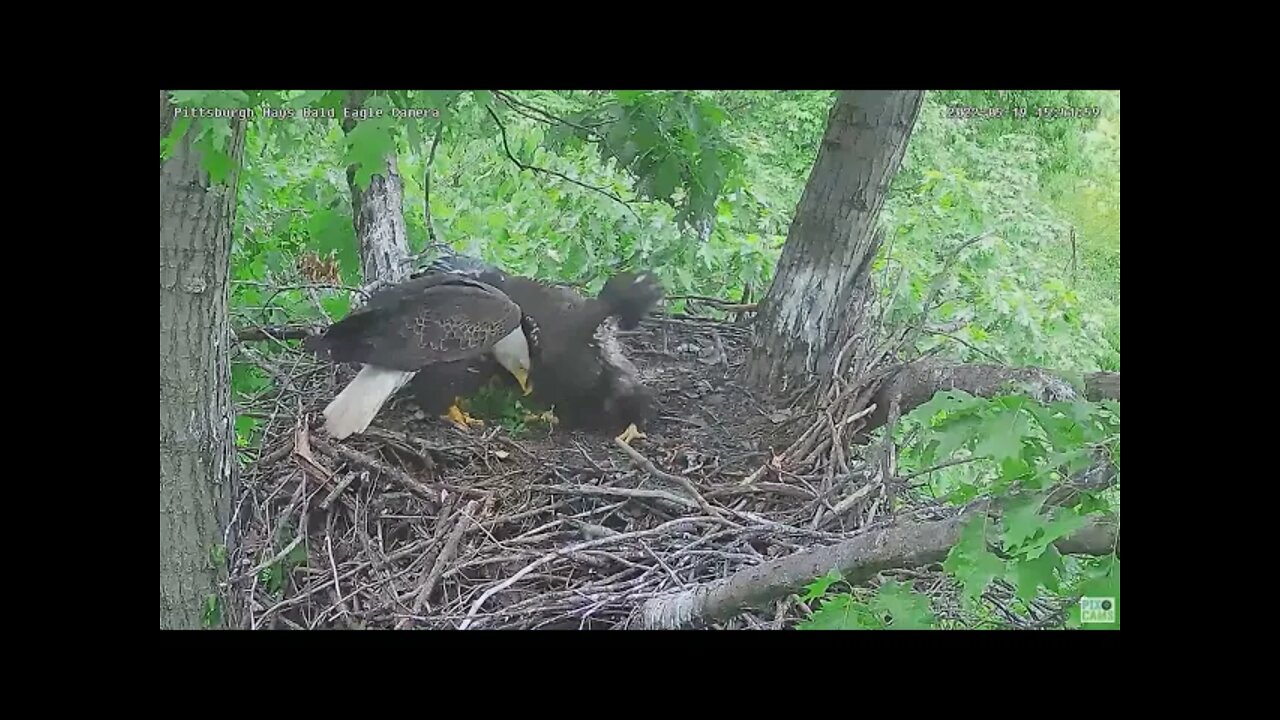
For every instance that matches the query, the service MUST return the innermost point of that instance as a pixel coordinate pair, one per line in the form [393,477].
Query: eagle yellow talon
[459,417]
[631,433]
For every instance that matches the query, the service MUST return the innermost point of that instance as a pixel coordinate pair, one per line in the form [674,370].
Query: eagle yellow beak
[522,377]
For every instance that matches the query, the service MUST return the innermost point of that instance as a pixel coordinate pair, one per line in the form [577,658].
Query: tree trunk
[822,279]
[378,212]
[197,462]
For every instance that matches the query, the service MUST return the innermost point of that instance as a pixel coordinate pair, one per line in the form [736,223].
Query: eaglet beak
[522,377]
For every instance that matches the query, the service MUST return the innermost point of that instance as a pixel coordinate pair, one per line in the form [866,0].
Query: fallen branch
[906,545]
[918,382]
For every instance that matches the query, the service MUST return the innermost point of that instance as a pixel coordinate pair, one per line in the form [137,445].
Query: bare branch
[280,332]
[523,166]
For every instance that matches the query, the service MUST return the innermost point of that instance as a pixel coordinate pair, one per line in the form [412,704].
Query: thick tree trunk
[197,462]
[811,308]
[378,212]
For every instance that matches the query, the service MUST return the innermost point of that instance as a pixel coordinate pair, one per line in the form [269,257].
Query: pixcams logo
[1097,610]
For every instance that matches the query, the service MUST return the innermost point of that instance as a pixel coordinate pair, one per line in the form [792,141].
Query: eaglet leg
[631,433]
[460,418]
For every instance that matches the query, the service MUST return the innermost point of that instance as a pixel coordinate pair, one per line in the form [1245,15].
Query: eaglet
[577,363]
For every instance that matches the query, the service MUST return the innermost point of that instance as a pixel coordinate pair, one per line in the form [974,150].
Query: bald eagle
[577,363]
[435,322]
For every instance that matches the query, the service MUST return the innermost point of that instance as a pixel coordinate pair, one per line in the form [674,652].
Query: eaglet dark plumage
[577,363]
[432,326]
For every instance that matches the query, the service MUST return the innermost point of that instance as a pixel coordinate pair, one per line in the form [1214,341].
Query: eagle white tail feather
[359,402]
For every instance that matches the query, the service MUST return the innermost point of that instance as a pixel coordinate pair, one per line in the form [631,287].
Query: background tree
[196,418]
[1000,256]
[377,195]
[823,274]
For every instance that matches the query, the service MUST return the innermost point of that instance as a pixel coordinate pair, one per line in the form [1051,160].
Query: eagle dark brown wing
[436,388]
[426,320]
[579,367]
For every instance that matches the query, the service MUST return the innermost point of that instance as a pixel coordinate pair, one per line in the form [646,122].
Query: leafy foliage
[700,188]
[1015,450]
[1018,450]
[211,613]
[669,142]
[274,576]
[1004,442]
[893,606]
[1012,297]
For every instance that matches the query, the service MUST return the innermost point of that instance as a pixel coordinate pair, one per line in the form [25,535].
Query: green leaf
[245,427]
[956,433]
[218,556]
[332,232]
[1030,575]
[1063,432]
[248,379]
[686,278]
[219,166]
[667,177]
[413,134]
[841,612]
[1113,406]
[378,101]
[906,608]
[369,145]
[971,562]
[1022,520]
[337,305]
[176,133]
[1065,521]
[272,578]
[818,588]
[297,556]
[189,97]
[308,98]
[211,612]
[951,402]
[483,98]
[1014,469]
[1003,435]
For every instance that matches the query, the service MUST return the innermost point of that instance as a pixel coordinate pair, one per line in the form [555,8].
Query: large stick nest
[417,524]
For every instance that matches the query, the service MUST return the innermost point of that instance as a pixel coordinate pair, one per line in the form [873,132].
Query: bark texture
[917,383]
[196,420]
[378,212]
[899,546]
[822,279]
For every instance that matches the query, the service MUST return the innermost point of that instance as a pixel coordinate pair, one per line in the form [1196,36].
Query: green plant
[1010,297]
[1016,451]
[700,188]
[274,576]
[894,606]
